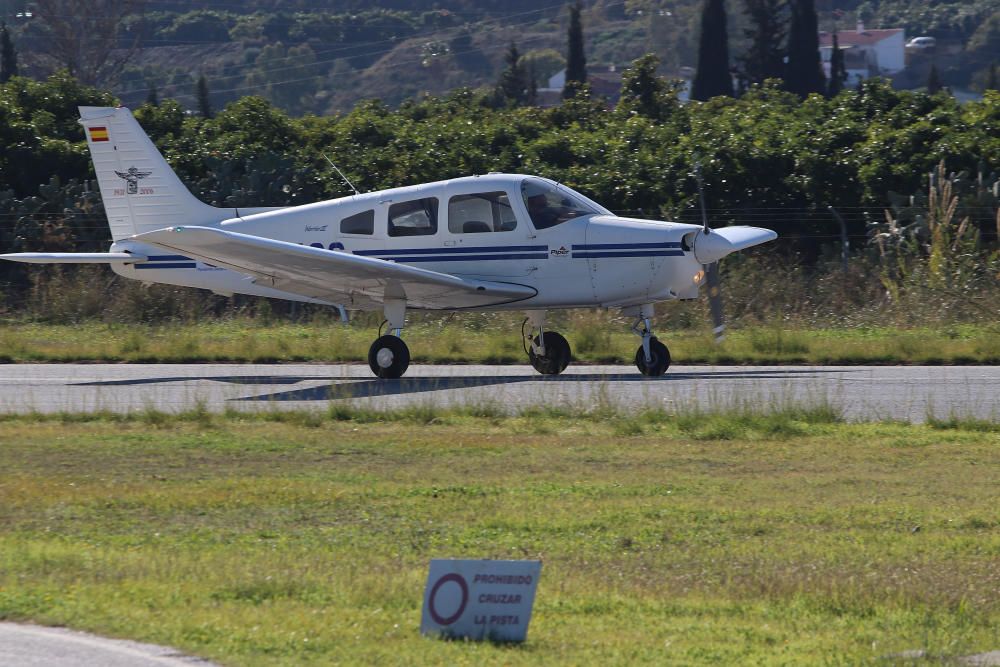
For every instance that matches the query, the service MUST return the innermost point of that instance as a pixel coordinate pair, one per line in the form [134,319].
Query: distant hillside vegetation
[323,56]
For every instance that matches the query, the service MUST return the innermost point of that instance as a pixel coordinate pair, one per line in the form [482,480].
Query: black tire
[557,355]
[395,357]
[659,359]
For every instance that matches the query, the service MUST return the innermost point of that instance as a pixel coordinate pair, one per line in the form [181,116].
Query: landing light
[698,277]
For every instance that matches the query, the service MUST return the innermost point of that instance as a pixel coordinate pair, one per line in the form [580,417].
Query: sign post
[480,599]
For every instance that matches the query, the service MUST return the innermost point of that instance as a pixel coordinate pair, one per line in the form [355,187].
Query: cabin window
[481,212]
[414,218]
[549,206]
[359,223]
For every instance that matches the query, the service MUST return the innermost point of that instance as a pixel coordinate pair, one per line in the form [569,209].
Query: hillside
[323,57]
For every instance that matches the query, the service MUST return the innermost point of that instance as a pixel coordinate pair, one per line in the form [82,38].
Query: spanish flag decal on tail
[98,133]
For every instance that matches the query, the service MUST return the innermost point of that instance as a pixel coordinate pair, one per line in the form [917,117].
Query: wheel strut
[652,358]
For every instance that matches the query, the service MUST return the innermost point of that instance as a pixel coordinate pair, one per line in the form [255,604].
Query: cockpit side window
[480,212]
[414,218]
[549,206]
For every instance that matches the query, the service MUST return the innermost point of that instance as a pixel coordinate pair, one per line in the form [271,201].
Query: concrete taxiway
[909,393]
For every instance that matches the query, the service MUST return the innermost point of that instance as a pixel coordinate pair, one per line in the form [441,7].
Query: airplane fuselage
[573,252]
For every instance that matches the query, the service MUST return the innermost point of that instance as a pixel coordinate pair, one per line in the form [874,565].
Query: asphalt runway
[35,645]
[909,393]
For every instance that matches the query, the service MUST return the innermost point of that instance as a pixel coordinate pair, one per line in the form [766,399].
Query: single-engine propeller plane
[491,242]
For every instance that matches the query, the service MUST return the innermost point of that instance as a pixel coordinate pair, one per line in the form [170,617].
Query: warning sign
[480,599]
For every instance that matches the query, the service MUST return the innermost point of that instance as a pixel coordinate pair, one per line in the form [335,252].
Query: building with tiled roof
[869,52]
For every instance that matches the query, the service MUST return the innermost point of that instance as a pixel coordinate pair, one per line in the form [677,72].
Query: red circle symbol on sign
[448,620]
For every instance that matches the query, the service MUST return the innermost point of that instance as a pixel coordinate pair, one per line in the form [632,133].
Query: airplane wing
[330,275]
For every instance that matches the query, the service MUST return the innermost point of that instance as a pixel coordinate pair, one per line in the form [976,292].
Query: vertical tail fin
[141,192]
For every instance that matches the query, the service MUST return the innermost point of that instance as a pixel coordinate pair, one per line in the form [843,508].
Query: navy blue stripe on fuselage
[464,258]
[167,265]
[168,258]
[626,246]
[455,250]
[635,253]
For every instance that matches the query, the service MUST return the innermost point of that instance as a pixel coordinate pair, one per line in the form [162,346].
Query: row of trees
[768,158]
[768,149]
[784,44]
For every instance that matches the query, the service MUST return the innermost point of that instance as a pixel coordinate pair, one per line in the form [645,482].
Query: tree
[153,98]
[531,98]
[765,57]
[84,36]
[576,60]
[712,77]
[512,88]
[934,84]
[803,72]
[204,104]
[991,82]
[646,94]
[8,55]
[838,74]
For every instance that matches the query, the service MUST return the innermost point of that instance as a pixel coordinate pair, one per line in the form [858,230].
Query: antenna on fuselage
[337,169]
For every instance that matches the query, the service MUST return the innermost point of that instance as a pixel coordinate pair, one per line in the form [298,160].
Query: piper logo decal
[561,251]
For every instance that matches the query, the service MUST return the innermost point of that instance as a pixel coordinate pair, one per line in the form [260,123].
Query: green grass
[594,338]
[734,537]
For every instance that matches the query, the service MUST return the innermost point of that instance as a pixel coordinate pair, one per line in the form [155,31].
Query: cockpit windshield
[549,205]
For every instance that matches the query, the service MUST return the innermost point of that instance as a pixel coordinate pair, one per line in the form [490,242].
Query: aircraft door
[485,237]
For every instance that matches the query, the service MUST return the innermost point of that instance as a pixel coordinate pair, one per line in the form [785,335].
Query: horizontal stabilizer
[74,257]
[330,275]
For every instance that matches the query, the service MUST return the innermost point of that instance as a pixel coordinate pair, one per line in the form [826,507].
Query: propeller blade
[714,286]
[713,246]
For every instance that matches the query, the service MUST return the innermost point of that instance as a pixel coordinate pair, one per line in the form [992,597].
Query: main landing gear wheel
[659,359]
[388,357]
[556,356]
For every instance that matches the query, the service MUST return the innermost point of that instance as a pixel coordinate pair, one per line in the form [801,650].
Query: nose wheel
[388,357]
[652,358]
[659,359]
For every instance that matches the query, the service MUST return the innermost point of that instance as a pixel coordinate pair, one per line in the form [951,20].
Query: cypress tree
[153,98]
[531,99]
[8,55]
[934,84]
[712,77]
[576,60]
[765,57]
[512,89]
[991,82]
[803,72]
[838,74]
[204,104]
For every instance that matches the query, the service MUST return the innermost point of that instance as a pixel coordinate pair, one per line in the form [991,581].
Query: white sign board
[480,599]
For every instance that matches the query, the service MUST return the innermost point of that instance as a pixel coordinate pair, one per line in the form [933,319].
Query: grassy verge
[303,538]
[438,341]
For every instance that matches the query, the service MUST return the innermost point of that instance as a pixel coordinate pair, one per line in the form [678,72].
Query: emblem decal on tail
[132,177]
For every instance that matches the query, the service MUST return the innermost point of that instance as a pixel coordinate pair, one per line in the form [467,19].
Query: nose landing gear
[652,358]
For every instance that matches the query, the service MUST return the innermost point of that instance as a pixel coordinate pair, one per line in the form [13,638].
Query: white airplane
[493,242]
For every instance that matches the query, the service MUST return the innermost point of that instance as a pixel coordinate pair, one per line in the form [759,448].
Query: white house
[867,52]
